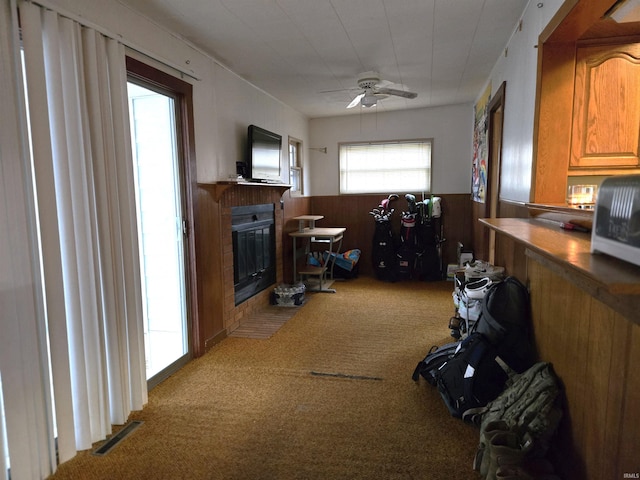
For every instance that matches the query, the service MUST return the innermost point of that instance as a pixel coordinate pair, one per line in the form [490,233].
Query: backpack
[436,357]
[530,406]
[497,346]
[474,376]
[505,321]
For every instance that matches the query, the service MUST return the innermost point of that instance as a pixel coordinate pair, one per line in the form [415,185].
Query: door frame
[495,130]
[158,80]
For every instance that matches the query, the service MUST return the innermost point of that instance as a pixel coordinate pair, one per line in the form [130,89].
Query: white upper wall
[224,104]
[518,68]
[450,127]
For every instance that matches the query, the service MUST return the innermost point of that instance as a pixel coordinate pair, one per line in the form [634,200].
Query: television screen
[265,148]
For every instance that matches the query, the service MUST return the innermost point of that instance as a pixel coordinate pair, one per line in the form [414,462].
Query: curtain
[26,426]
[77,99]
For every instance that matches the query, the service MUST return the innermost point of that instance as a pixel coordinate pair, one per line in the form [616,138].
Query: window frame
[295,168]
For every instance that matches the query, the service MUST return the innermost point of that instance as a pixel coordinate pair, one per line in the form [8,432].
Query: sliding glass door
[155,132]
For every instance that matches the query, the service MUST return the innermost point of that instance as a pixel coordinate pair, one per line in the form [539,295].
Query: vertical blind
[381,167]
[26,430]
[74,352]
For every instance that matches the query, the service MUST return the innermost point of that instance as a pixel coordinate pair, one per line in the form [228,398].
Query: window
[295,166]
[380,167]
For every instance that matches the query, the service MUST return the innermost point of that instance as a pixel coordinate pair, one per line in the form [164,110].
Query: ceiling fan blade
[355,101]
[398,93]
[351,89]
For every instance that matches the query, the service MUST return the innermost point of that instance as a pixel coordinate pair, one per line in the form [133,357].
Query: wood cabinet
[606,109]
[588,98]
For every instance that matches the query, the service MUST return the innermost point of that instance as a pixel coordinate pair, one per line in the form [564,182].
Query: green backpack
[530,406]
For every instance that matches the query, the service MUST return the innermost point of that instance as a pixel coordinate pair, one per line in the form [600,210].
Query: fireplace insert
[253,232]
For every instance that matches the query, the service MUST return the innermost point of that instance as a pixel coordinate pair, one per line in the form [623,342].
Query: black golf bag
[385,263]
[430,266]
[408,247]
[428,240]
[383,252]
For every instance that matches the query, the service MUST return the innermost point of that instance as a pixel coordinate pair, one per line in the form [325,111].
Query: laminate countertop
[568,253]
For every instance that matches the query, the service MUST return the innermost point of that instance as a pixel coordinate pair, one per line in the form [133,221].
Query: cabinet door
[606,115]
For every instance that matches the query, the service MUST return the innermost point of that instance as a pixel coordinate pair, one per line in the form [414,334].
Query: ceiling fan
[374,89]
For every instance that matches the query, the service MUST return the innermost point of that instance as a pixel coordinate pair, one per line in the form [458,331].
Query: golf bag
[385,264]
[429,239]
[419,254]
[408,247]
[506,322]
[430,264]
[383,252]
[467,299]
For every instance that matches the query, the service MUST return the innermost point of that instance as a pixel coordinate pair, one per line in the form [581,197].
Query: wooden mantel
[218,188]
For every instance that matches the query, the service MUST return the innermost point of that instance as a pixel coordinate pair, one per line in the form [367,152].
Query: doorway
[495,128]
[159,156]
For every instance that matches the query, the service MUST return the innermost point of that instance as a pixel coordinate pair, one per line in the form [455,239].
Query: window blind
[382,167]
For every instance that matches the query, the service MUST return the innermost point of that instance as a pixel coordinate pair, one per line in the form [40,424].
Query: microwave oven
[616,220]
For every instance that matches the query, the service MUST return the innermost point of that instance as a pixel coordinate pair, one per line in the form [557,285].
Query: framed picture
[480,147]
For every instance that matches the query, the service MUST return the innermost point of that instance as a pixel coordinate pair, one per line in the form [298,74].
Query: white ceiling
[297,49]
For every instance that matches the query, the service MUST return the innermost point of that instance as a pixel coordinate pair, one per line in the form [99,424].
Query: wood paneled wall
[217,314]
[352,211]
[595,351]
[209,254]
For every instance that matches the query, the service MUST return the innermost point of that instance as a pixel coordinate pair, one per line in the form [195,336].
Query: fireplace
[254,258]
[224,277]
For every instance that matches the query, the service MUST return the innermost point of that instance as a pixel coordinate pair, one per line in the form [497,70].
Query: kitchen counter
[614,282]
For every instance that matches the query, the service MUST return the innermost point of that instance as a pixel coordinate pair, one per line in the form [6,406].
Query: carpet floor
[327,396]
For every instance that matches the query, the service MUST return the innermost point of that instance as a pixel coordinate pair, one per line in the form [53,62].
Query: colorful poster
[480,147]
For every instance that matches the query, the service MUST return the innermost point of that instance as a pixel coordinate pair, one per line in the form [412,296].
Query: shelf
[332,235]
[218,188]
[320,234]
[311,270]
[303,219]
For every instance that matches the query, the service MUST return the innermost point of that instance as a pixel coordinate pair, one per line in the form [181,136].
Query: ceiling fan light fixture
[373,90]
[369,100]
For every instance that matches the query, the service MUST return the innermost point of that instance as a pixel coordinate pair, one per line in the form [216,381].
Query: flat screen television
[265,149]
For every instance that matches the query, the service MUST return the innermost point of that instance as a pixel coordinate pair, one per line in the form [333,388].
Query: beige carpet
[329,396]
